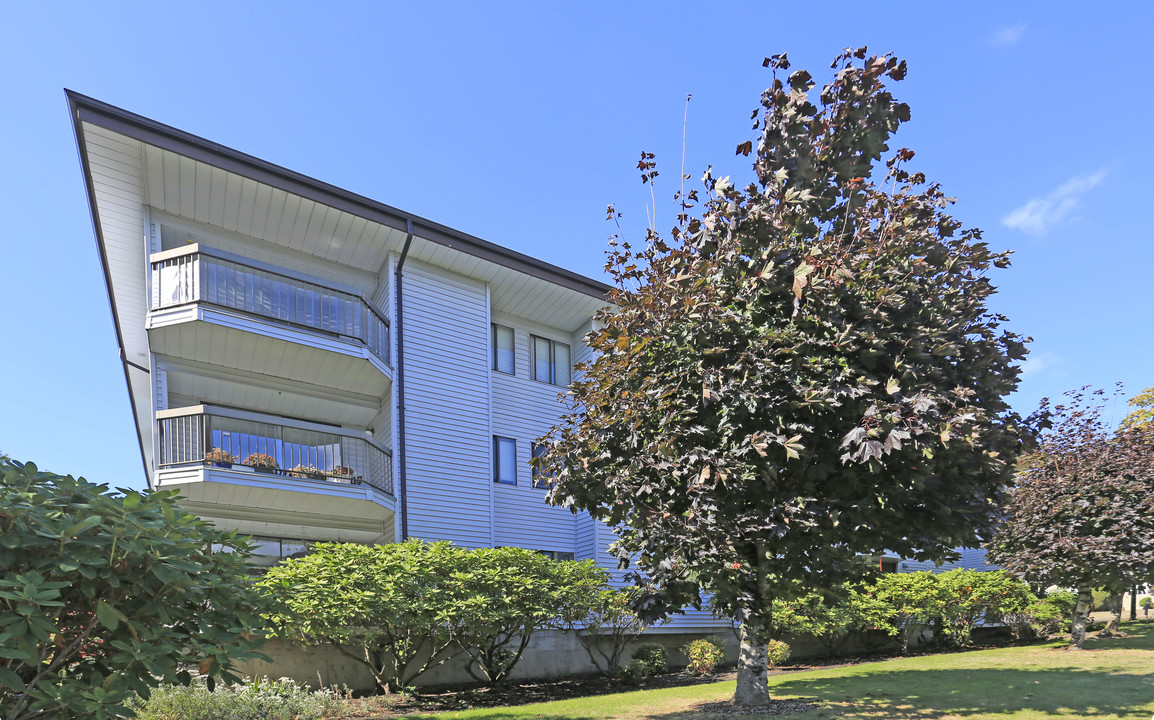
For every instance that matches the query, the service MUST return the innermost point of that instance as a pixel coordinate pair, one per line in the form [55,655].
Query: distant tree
[105,595]
[1082,512]
[1144,414]
[806,372]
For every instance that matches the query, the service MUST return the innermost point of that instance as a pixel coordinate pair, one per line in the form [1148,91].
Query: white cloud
[1040,214]
[1008,34]
[1037,362]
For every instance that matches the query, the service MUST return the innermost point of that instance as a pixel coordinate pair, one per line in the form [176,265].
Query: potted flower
[262,463]
[307,471]
[219,458]
[343,472]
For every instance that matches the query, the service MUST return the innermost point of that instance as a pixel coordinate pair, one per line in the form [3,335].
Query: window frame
[497,441]
[541,481]
[552,360]
[493,341]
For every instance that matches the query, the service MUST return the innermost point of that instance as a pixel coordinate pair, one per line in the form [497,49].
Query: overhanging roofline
[82,150]
[109,117]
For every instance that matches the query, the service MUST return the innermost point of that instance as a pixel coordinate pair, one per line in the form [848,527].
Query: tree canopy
[804,371]
[1082,512]
[1143,413]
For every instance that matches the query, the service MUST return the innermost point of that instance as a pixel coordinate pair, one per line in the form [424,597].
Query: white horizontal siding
[525,409]
[447,406]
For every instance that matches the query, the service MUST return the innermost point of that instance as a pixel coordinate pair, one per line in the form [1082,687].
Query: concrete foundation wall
[550,654]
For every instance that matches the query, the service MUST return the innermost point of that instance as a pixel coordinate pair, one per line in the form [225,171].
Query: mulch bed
[434,700]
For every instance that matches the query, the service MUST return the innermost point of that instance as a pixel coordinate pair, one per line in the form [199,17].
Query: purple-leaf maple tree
[806,370]
[1081,514]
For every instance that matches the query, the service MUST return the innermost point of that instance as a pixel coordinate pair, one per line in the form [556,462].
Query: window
[540,479]
[504,460]
[550,361]
[503,358]
[556,554]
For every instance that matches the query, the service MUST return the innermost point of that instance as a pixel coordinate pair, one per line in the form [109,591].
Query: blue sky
[520,122]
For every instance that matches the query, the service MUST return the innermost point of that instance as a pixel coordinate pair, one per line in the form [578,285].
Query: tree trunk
[1081,617]
[1133,603]
[753,664]
[1114,625]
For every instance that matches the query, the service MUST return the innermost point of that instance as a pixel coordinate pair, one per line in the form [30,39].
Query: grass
[1112,678]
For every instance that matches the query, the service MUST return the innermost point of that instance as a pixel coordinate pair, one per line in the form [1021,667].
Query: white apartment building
[306,364]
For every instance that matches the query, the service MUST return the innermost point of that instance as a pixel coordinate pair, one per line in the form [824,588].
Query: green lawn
[1110,679]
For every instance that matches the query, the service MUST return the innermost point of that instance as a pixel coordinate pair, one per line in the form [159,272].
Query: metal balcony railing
[197,274]
[205,435]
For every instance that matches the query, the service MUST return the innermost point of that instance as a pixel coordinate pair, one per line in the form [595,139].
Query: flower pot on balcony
[264,469]
[221,464]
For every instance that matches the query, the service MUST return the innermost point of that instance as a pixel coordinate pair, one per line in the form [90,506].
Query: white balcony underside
[208,335]
[278,506]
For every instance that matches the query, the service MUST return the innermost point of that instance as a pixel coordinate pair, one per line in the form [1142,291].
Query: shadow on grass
[914,693]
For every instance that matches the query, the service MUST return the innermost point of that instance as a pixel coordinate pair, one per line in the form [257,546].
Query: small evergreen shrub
[655,655]
[778,653]
[261,699]
[704,655]
[637,670]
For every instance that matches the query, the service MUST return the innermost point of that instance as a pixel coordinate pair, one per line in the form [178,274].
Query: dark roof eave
[86,109]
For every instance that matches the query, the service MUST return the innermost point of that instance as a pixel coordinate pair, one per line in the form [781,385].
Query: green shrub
[1053,614]
[261,699]
[636,670]
[403,608]
[833,617]
[104,595]
[603,619]
[654,655]
[974,596]
[704,655]
[778,653]
[916,600]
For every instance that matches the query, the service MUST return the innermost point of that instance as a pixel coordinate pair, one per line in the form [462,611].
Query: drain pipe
[401,383]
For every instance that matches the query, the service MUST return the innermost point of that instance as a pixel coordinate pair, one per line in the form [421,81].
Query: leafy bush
[778,653]
[607,618]
[916,600]
[637,669]
[103,596]
[510,593]
[401,609]
[1052,614]
[655,655]
[835,616]
[704,655]
[261,699]
[974,596]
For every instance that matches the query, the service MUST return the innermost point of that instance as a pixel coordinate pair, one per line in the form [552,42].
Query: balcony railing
[203,435]
[197,274]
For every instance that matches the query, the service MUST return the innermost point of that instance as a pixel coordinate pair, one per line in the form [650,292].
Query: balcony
[223,438]
[275,476]
[214,307]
